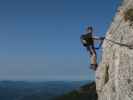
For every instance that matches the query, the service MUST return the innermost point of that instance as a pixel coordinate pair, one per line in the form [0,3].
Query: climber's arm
[83,41]
[98,38]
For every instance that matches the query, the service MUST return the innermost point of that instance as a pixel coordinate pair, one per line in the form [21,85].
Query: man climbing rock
[87,40]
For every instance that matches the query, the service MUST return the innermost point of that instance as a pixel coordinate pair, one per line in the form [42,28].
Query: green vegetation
[86,92]
[129,15]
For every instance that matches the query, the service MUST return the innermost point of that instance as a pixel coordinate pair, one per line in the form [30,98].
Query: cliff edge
[114,76]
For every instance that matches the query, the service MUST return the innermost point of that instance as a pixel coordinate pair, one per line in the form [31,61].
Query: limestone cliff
[114,76]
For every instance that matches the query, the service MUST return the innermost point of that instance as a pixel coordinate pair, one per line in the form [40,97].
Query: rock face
[114,76]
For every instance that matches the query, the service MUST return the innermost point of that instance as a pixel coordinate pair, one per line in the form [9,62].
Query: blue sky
[39,39]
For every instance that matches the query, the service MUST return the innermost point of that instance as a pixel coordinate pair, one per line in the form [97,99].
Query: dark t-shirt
[88,38]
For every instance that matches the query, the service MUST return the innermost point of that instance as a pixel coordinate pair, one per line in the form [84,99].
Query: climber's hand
[102,38]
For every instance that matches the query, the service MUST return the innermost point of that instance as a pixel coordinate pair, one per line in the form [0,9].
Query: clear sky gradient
[39,39]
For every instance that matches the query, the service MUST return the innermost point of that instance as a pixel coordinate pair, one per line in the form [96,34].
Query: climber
[87,40]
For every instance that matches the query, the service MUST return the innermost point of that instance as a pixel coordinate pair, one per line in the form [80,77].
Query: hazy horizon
[41,78]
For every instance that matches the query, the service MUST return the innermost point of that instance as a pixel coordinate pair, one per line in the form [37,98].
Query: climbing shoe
[93,66]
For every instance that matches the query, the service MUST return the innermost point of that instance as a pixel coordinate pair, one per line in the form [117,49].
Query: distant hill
[86,92]
[21,90]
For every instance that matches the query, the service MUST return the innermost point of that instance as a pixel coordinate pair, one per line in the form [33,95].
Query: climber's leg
[94,58]
[93,61]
